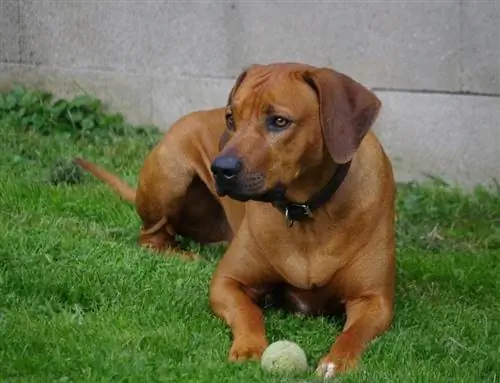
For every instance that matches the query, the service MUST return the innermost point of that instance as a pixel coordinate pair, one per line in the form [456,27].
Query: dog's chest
[306,267]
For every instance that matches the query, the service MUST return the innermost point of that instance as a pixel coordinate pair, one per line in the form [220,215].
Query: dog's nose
[226,167]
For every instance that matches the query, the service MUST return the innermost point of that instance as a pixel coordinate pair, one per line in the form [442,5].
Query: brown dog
[316,231]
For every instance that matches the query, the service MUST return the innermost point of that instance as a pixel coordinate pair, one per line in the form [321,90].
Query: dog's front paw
[331,366]
[326,369]
[247,348]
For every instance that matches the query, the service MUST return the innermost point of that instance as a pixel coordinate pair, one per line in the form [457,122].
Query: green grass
[81,302]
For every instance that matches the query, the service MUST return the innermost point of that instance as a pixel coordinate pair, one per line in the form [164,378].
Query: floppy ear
[236,85]
[225,136]
[347,111]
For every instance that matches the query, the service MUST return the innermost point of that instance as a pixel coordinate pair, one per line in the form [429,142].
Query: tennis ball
[284,356]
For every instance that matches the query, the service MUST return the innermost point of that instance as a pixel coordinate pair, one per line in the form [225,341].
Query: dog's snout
[226,167]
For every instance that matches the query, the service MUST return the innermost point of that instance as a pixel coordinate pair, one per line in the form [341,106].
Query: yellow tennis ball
[284,357]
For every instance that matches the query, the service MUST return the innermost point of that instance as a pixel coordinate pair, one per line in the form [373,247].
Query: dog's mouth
[270,195]
[247,189]
[236,195]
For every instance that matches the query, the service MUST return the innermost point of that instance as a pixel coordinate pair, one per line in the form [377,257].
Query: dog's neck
[315,189]
[310,182]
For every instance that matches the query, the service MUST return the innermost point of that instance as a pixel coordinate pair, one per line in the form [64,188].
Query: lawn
[81,302]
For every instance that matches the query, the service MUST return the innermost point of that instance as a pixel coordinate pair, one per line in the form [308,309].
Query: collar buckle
[295,212]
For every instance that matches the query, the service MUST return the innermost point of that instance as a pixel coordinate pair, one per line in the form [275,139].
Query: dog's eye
[230,122]
[278,123]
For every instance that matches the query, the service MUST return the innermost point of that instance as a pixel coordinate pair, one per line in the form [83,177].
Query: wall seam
[460,43]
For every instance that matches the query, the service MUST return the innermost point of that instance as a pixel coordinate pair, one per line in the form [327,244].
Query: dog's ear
[225,136]
[347,111]
[236,85]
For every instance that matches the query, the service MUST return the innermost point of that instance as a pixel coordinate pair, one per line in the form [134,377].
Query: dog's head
[284,119]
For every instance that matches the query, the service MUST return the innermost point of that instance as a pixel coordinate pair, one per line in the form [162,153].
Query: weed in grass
[66,172]
[82,117]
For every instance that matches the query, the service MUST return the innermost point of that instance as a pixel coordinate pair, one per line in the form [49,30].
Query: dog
[290,174]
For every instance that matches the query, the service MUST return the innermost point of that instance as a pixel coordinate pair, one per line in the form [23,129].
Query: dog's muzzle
[226,171]
[233,180]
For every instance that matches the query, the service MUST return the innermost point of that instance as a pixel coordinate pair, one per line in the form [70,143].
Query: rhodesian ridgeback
[290,174]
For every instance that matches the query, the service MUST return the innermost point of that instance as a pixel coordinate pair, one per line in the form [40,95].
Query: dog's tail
[118,185]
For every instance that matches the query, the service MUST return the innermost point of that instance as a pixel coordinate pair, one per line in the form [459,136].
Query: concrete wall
[434,64]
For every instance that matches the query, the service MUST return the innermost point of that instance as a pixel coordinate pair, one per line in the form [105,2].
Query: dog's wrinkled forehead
[262,86]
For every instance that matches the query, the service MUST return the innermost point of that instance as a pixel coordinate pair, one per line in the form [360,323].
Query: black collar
[299,211]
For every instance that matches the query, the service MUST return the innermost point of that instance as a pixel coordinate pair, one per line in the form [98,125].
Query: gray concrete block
[174,97]
[189,38]
[127,94]
[389,44]
[449,136]
[9,31]
[159,38]
[402,44]
[481,46]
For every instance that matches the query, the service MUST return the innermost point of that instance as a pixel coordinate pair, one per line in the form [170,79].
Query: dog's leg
[158,234]
[230,302]
[161,194]
[367,318]
[233,299]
